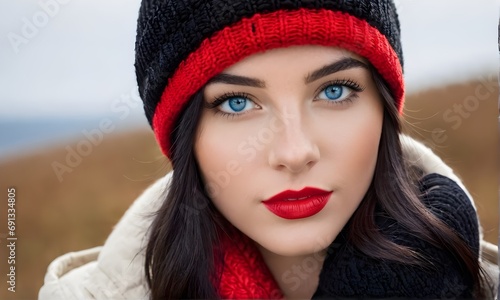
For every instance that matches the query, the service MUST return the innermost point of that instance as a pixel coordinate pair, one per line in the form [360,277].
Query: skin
[290,135]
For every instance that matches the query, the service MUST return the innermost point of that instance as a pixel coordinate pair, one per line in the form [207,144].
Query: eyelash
[343,82]
[223,98]
[356,88]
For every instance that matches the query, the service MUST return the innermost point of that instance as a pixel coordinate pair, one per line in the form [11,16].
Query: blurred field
[57,217]
[470,146]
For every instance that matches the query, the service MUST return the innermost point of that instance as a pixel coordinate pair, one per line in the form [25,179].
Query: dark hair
[180,253]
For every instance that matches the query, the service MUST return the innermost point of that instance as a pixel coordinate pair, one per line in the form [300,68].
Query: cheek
[358,146]
[228,159]
[349,155]
[222,153]
[354,148]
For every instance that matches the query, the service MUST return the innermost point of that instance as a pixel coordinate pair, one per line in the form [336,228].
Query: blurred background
[76,146]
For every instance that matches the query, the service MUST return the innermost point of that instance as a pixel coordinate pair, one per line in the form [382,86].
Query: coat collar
[115,270]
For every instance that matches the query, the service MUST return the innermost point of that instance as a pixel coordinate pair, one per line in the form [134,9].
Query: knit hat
[181,44]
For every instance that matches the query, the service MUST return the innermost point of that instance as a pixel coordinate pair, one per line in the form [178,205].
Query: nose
[293,150]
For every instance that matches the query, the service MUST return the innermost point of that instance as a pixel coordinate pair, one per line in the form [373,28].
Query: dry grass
[57,217]
[471,148]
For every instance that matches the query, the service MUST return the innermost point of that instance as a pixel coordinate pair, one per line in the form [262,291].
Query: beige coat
[115,270]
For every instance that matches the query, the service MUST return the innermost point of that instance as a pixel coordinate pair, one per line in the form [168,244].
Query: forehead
[295,59]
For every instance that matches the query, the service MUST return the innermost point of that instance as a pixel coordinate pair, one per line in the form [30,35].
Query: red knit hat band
[262,32]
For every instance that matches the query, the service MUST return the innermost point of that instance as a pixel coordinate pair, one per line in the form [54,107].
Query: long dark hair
[180,253]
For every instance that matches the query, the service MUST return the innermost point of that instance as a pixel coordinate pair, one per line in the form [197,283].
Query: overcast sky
[79,60]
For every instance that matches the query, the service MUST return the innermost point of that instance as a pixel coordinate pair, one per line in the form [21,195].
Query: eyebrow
[341,65]
[237,80]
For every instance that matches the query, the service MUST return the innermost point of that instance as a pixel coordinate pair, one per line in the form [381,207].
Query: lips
[298,204]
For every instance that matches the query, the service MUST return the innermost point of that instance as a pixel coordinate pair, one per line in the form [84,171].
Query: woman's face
[300,123]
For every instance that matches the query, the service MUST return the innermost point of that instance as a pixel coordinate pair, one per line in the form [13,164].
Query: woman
[291,178]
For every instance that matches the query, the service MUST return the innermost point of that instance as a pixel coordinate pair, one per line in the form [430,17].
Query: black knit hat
[181,44]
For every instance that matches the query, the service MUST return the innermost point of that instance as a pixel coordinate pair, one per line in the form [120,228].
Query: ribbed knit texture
[349,273]
[245,274]
[182,44]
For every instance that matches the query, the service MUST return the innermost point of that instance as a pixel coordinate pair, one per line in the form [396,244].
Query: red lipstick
[298,204]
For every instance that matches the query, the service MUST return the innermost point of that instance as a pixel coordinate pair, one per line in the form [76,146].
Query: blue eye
[236,105]
[335,92]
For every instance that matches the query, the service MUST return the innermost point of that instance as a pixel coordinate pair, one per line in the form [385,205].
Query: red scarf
[245,275]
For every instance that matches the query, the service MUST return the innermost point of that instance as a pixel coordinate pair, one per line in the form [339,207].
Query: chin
[299,244]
